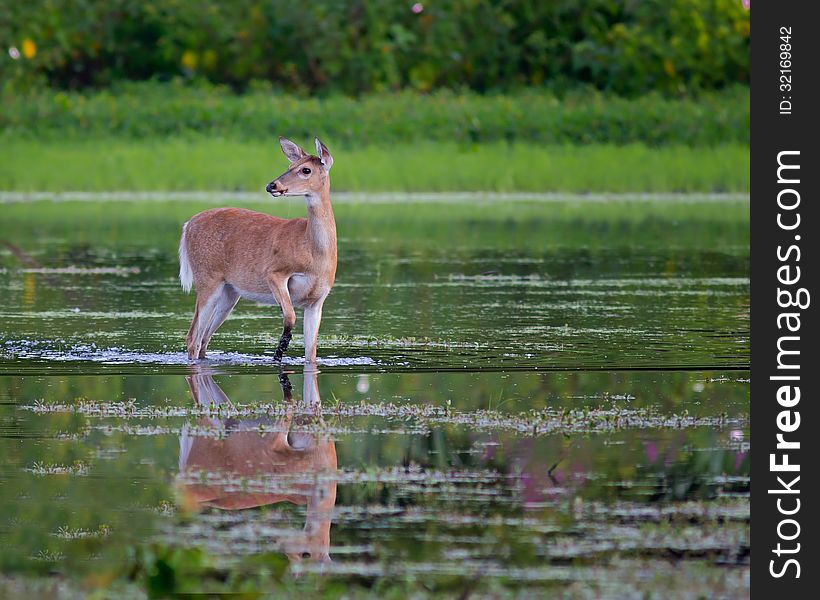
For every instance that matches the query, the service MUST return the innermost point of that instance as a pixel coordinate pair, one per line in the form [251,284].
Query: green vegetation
[154,137]
[350,46]
[170,137]
[148,111]
[220,164]
[467,95]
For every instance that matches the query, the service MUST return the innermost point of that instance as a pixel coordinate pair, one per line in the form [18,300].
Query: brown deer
[279,454]
[230,253]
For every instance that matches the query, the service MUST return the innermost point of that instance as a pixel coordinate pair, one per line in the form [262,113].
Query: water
[534,397]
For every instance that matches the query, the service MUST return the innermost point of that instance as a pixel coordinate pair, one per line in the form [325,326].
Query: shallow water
[557,396]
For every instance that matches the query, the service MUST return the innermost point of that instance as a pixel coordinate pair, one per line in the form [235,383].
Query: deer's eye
[305,170]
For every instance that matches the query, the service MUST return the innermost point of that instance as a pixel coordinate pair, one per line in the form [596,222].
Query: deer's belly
[304,290]
[257,296]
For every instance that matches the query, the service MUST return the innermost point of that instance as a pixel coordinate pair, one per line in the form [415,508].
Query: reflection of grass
[463,227]
[219,164]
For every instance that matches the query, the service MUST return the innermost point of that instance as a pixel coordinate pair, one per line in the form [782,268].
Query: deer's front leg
[313,318]
[279,288]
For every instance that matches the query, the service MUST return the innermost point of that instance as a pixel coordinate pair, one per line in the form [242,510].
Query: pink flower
[747,4]
[651,449]
[418,7]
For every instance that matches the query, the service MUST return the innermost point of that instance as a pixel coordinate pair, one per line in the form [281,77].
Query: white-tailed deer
[230,253]
[298,467]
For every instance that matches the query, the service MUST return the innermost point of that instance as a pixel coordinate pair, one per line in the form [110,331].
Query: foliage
[670,46]
[164,571]
[355,46]
[582,117]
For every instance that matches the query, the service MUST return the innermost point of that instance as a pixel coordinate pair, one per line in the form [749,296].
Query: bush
[140,111]
[356,46]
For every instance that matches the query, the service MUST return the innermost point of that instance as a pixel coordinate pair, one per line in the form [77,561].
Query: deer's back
[243,246]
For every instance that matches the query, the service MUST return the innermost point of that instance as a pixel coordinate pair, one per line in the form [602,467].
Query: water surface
[534,397]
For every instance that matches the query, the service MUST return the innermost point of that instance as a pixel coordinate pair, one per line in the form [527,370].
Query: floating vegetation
[685,512]
[67,533]
[78,468]
[118,271]
[283,482]
[730,542]
[423,417]
[345,341]
[47,556]
[220,432]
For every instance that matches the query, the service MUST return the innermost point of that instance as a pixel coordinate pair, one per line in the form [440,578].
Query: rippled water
[531,395]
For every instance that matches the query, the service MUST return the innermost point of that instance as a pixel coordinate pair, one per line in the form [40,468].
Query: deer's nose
[270,187]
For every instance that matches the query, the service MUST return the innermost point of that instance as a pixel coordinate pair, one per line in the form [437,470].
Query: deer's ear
[291,150]
[323,153]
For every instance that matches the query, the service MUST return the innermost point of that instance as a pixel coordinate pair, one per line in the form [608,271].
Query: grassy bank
[172,137]
[148,111]
[226,164]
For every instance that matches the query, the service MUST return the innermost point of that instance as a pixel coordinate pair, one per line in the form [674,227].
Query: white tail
[186,276]
[230,253]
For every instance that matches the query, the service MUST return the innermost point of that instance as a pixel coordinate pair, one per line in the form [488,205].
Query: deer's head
[307,175]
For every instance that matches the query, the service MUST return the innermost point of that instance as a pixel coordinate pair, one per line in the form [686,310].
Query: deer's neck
[321,229]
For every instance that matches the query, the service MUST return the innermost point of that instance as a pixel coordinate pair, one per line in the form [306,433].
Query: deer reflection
[244,452]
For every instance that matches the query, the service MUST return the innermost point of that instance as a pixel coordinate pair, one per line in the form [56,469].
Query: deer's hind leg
[222,307]
[194,340]
[207,298]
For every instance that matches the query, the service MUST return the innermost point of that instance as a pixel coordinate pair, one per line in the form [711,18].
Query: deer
[298,466]
[233,253]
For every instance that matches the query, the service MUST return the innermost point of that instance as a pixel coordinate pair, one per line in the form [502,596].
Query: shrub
[355,46]
[150,110]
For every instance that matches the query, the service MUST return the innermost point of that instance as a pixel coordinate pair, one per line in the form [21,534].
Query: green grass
[168,137]
[201,163]
[584,116]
